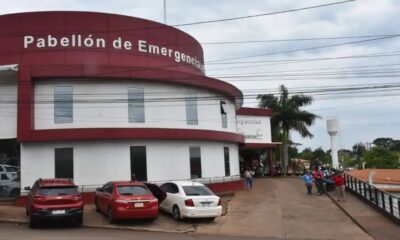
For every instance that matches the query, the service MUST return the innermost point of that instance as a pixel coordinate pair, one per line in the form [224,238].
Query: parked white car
[187,199]
[9,187]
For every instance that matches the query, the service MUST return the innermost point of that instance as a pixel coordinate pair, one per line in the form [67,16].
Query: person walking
[340,184]
[248,174]
[319,180]
[308,180]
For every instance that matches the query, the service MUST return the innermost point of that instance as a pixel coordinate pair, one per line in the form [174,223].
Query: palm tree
[287,116]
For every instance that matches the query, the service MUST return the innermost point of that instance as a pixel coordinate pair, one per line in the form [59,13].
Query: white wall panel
[97,162]
[8,109]
[104,105]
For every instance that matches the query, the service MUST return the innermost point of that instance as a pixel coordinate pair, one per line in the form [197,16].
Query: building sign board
[256,129]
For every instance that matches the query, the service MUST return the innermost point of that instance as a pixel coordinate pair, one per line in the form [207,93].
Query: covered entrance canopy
[257,152]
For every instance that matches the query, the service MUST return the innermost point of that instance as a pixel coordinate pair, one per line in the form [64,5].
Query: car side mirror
[27,188]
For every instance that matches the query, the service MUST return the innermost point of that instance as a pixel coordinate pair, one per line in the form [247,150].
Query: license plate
[56,212]
[138,205]
[205,204]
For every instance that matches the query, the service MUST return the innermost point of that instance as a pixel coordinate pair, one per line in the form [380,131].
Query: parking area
[275,208]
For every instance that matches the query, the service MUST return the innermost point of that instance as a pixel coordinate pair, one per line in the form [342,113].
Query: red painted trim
[227,187]
[259,145]
[78,134]
[255,111]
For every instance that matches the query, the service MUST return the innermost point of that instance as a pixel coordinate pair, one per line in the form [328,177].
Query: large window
[191,109]
[63,104]
[136,105]
[195,162]
[64,163]
[224,115]
[138,163]
[227,163]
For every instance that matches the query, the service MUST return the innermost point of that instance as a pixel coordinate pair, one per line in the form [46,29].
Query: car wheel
[210,219]
[176,214]
[110,216]
[32,221]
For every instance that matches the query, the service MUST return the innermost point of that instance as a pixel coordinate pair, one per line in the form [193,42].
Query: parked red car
[126,200]
[54,199]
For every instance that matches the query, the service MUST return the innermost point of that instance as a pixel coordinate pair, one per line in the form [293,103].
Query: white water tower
[333,129]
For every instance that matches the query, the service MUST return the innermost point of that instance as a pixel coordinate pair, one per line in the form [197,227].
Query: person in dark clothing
[318,176]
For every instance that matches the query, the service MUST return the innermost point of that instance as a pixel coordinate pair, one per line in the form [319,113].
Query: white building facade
[100,97]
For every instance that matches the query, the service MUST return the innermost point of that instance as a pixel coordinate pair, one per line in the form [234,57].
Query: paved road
[18,232]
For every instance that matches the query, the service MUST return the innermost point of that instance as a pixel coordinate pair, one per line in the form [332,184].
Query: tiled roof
[381,176]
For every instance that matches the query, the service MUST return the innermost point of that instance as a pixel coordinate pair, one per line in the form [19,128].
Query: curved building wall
[96,162]
[8,106]
[104,104]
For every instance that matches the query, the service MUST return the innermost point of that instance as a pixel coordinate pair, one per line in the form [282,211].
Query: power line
[262,14]
[302,49]
[294,39]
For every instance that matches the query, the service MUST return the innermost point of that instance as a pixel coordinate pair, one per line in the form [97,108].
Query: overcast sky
[363,116]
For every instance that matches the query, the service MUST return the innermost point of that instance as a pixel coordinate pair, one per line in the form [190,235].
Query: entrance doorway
[138,163]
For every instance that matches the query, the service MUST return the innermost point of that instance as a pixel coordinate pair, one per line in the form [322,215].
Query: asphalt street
[19,232]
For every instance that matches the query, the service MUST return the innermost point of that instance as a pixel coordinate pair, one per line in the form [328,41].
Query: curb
[138,229]
[348,214]
[17,221]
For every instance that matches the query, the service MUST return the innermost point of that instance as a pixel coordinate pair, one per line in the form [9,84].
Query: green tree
[379,157]
[385,143]
[287,115]
[358,150]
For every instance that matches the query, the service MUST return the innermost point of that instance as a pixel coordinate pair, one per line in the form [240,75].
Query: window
[133,190]
[191,109]
[136,105]
[63,105]
[197,191]
[58,190]
[138,163]
[195,162]
[224,115]
[64,163]
[226,160]
[170,188]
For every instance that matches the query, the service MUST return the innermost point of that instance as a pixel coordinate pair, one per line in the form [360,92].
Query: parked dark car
[126,200]
[54,199]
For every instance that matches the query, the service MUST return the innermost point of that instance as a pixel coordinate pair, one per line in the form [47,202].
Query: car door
[172,197]
[31,194]
[165,205]
[108,196]
[101,197]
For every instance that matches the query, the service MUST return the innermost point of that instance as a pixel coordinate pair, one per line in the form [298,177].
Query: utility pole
[165,11]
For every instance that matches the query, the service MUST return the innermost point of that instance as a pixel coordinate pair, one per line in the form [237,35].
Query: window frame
[192,113]
[63,100]
[136,105]
[192,159]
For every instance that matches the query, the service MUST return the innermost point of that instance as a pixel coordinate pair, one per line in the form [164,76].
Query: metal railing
[211,180]
[386,203]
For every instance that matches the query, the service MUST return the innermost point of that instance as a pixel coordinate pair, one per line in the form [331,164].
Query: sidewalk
[377,225]
[280,207]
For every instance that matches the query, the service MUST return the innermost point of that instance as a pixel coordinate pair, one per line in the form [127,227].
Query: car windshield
[197,191]
[133,190]
[58,190]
